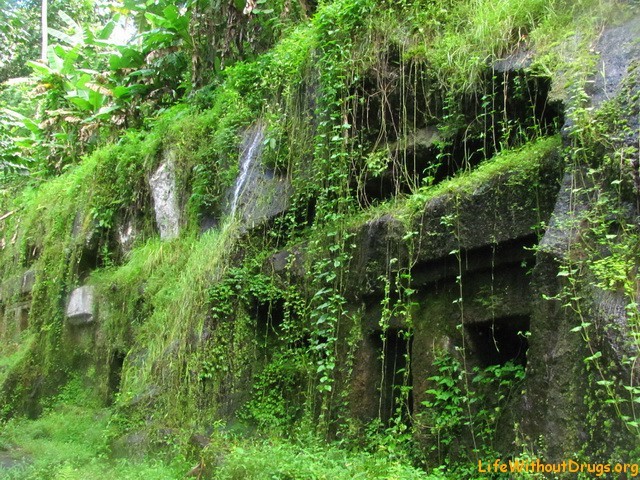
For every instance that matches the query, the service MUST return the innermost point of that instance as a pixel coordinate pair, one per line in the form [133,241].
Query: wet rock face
[28,281]
[81,306]
[165,198]
[126,235]
[258,194]
[267,197]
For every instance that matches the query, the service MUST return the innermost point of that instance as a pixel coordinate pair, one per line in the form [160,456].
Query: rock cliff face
[347,292]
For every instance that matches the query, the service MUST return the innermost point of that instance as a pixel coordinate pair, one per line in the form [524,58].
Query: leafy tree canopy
[20,30]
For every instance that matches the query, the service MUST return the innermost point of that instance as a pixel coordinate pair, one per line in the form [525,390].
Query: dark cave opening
[498,341]
[116,362]
[393,374]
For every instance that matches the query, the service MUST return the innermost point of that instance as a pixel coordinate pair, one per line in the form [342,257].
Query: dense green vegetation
[209,355]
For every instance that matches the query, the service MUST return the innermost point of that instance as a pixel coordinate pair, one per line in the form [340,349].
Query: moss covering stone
[422,211]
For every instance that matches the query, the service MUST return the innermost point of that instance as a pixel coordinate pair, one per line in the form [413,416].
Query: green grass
[72,442]
[73,439]
[461,39]
[479,32]
[13,353]
[282,460]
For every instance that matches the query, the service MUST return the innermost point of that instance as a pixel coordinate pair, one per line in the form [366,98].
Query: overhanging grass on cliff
[159,300]
[520,165]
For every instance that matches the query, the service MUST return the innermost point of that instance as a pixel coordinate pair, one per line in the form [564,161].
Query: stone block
[266,197]
[81,306]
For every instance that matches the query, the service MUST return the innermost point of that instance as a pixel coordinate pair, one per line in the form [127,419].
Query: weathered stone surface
[566,224]
[496,298]
[493,225]
[611,312]
[418,139]
[557,376]
[618,47]
[491,295]
[408,160]
[617,52]
[288,261]
[560,388]
[17,286]
[380,246]
[495,213]
[81,306]
[518,60]
[83,226]
[365,380]
[85,232]
[488,257]
[165,198]
[208,222]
